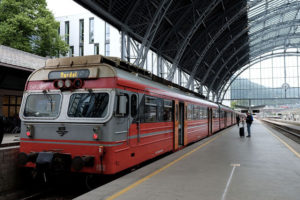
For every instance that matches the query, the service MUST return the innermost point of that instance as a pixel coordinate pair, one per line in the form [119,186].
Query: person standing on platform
[238,119]
[249,121]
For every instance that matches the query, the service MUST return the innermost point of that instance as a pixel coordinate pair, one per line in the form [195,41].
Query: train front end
[65,110]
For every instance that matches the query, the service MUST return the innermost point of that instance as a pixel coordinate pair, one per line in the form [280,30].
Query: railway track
[285,129]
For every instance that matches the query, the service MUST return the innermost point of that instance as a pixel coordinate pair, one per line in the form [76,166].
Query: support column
[179,77]
[123,46]
[193,86]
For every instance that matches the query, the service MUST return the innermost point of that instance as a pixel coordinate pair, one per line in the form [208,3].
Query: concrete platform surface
[222,167]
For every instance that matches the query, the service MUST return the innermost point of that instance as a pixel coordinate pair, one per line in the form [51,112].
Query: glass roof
[273,24]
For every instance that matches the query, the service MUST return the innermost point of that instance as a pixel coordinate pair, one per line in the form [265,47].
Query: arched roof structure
[209,39]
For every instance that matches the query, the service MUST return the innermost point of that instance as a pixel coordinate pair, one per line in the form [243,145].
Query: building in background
[87,34]
[15,67]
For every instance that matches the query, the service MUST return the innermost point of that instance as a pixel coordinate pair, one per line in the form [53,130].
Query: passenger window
[190,111]
[167,111]
[150,109]
[160,110]
[133,105]
[196,112]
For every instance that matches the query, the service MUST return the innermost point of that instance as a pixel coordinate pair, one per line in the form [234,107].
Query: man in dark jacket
[238,120]
[249,121]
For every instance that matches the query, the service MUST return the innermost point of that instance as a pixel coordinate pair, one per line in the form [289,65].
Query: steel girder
[189,36]
[254,35]
[192,32]
[94,7]
[212,41]
[273,12]
[258,59]
[151,32]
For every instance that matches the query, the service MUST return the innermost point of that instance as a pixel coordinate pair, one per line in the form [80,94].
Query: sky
[64,7]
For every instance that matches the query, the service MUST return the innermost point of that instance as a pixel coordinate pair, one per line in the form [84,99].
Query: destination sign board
[69,74]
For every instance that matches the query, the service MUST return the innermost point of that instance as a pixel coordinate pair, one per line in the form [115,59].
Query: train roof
[114,67]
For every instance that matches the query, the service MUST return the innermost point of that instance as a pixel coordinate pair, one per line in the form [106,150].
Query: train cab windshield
[42,105]
[88,105]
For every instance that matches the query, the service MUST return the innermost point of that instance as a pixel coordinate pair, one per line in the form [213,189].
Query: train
[102,115]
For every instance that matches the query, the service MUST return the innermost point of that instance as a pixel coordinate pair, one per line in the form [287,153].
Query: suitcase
[242,134]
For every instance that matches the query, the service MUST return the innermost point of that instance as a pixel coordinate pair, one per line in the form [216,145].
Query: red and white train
[90,114]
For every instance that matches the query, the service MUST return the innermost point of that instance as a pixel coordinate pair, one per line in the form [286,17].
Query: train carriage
[87,114]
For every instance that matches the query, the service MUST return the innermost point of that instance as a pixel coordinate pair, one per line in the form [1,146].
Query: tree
[233,104]
[29,26]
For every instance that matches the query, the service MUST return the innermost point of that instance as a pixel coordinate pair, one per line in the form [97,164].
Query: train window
[150,110]
[88,105]
[215,113]
[133,105]
[205,114]
[196,112]
[160,110]
[42,105]
[167,110]
[190,111]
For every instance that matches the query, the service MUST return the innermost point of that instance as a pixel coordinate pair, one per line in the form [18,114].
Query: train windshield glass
[42,105]
[88,105]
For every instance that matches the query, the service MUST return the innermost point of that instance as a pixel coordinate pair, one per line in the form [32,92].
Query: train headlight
[68,83]
[77,83]
[59,84]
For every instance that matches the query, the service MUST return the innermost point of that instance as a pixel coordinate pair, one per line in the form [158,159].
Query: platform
[10,139]
[224,166]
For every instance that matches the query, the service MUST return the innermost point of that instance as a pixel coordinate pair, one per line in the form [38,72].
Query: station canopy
[208,39]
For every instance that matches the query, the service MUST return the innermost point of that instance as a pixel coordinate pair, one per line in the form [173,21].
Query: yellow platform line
[160,170]
[283,142]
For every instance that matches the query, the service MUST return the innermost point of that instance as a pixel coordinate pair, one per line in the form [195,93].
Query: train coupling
[53,161]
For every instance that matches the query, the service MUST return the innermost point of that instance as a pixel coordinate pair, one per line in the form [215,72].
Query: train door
[176,123]
[210,121]
[179,124]
[134,118]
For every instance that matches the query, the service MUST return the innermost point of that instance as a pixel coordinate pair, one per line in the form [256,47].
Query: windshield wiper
[49,98]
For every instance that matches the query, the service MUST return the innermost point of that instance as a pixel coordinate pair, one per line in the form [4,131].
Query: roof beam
[189,36]
[211,42]
[274,12]
[151,32]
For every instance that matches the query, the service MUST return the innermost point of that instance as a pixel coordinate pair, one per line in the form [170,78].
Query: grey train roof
[208,39]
